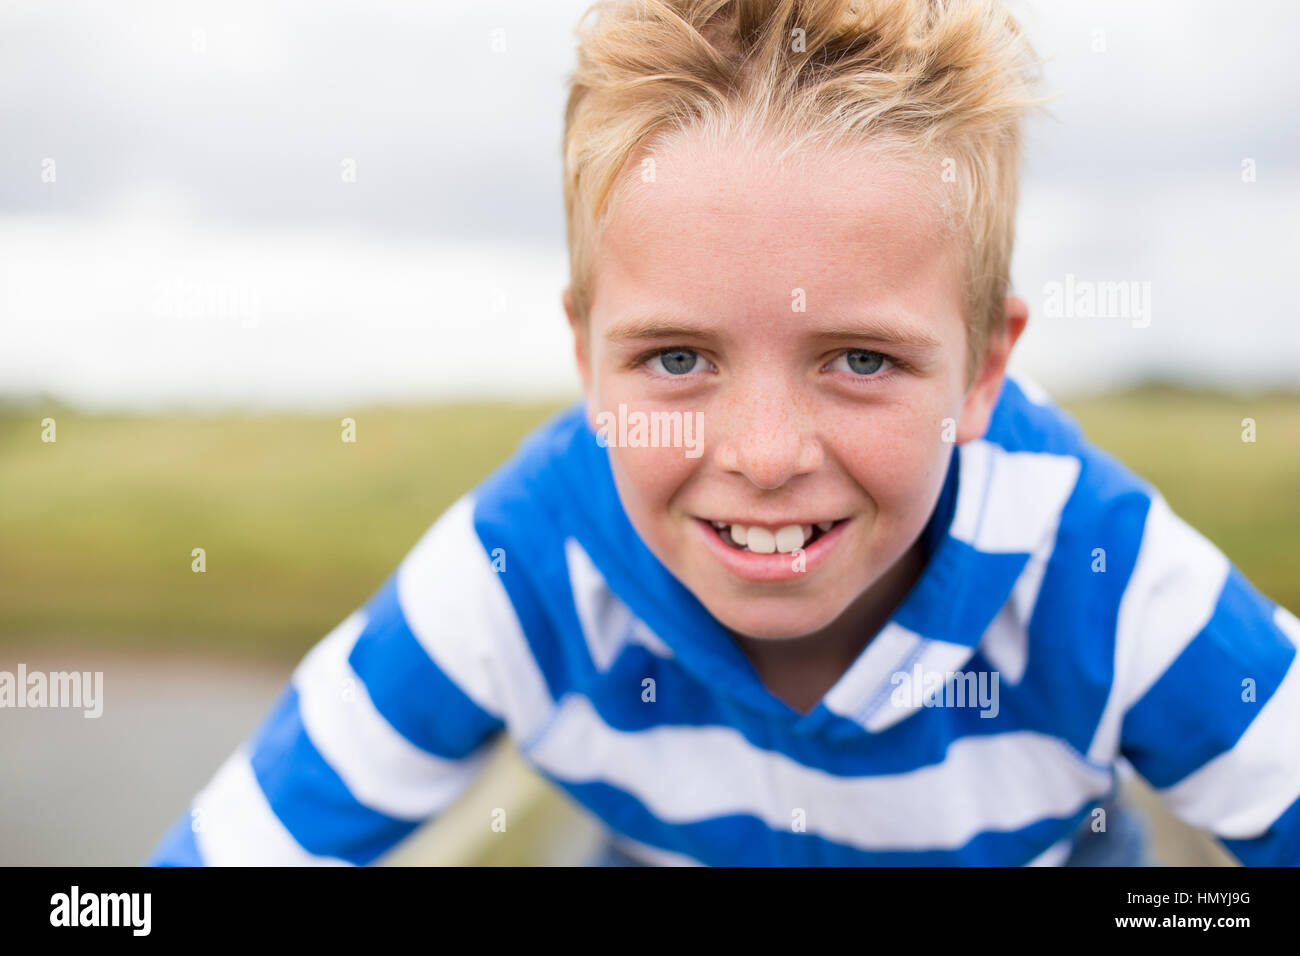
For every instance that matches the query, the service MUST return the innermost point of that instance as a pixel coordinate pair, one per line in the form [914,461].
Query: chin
[774,619]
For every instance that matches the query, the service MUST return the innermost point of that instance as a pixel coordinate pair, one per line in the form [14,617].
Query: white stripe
[1241,792]
[688,774]
[1054,855]
[235,825]
[1288,624]
[1010,502]
[380,767]
[1170,597]
[1006,644]
[641,634]
[884,654]
[936,657]
[1005,502]
[1006,641]
[975,467]
[458,609]
[1032,390]
[651,855]
[607,623]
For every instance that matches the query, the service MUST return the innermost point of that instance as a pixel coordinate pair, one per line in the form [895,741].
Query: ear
[581,353]
[983,392]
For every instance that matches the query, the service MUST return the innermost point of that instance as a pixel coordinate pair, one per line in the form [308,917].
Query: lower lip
[769,567]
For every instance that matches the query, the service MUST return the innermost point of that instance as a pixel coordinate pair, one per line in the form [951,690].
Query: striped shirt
[1113,634]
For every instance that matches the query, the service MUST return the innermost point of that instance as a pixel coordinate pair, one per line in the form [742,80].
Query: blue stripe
[522,509]
[1018,424]
[1195,711]
[178,846]
[936,609]
[309,797]
[921,740]
[1279,845]
[744,840]
[408,688]
[1071,660]
[535,575]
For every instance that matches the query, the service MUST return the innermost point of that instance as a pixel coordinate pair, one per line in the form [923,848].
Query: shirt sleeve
[1206,698]
[381,727]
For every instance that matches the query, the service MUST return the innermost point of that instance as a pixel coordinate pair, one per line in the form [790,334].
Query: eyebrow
[653,327]
[877,331]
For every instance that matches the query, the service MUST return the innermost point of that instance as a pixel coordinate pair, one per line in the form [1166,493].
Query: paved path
[102,791]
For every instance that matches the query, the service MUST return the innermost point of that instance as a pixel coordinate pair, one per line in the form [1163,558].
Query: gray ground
[101,792]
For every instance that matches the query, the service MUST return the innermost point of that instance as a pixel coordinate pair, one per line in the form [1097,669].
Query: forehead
[737,230]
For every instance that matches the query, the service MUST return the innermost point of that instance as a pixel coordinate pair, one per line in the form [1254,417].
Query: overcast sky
[198,243]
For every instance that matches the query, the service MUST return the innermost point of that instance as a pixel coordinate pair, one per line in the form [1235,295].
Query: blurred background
[225,226]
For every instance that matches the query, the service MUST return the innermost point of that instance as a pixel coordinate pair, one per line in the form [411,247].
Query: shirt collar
[937,626]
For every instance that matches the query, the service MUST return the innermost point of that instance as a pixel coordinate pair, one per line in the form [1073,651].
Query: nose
[767,438]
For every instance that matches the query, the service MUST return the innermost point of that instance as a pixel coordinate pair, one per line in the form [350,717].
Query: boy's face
[812,317]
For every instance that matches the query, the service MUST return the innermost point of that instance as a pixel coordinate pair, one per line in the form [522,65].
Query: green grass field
[299,527]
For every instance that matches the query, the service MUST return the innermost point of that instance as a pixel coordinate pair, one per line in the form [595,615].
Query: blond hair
[941,84]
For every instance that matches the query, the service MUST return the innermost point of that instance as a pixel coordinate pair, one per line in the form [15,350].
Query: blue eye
[861,362]
[677,361]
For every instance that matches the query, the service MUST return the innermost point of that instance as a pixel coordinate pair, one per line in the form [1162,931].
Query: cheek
[896,455]
[647,480]
[647,474]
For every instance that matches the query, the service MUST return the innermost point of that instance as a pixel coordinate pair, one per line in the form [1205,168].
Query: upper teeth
[759,539]
[762,541]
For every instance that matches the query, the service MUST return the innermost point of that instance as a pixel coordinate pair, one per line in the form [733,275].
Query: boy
[806,579]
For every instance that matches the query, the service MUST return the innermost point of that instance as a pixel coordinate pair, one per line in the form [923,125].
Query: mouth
[771,539]
[771,552]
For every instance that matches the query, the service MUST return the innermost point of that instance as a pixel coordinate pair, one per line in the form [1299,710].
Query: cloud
[201,154]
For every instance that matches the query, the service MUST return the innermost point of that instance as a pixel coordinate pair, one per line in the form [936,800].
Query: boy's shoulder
[556,464]
[1080,518]
[1027,420]
[555,505]
[1031,433]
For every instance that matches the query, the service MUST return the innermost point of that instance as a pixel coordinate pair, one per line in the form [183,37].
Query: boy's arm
[381,727]
[1206,699]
